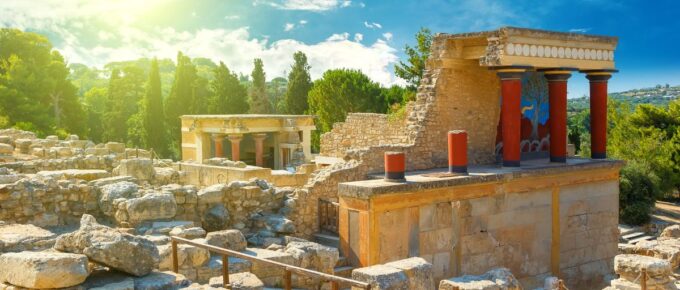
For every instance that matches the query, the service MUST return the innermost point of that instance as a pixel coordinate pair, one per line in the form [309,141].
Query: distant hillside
[658,96]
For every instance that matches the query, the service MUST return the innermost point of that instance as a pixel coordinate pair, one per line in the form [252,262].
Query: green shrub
[638,188]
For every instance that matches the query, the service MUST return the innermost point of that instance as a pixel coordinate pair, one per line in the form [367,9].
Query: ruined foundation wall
[362,130]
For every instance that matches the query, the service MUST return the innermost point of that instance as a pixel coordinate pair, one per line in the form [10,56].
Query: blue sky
[362,34]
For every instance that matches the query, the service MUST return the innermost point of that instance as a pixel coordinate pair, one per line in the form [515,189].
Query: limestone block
[21,237]
[188,233]
[671,232]
[6,139]
[151,207]
[111,192]
[246,281]
[6,149]
[125,284]
[61,152]
[115,147]
[658,250]
[140,168]
[216,218]
[211,194]
[495,279]
[266,271]
[107,246]
[158,239]
[43,269]
[418,271]
[279,224]
[631,266]
[97,151]
[22,145]
[310,255]
[382,277]
[229,239]
[161,281]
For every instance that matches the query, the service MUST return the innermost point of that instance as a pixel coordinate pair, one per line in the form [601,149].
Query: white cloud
[288,27]
[579,30]
[308,5]
[372,25]
[358,37]
[232,17]
[387,36]
[303,22]
[362,4]
[338,37]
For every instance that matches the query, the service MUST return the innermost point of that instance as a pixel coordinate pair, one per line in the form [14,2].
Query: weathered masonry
[524,203]
[272,141]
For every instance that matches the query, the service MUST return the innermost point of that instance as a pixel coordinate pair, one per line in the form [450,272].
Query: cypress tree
[230,97]
[259,102]
[179,101]
[299,84]
[153,112]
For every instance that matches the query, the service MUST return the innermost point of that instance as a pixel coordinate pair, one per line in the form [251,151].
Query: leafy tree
[180,101]
[35,90]
[259,103]
[638,189]
[342,91]
[412,71]
[230,97]
[299,84]
[95,101]
[153,118]
[126,89]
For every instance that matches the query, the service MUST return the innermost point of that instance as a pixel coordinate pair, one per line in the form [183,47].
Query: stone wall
[361,130]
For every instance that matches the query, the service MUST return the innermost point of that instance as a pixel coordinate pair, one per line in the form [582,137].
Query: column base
[559,159]
[595,155]
[458,169]
[395,176]
[511,163]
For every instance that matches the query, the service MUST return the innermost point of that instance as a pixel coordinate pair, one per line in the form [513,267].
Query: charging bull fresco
[535,133]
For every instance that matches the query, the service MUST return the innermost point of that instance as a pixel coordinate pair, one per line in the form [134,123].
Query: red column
[395,165]
[458,151]
[235,147]
[511,92]
[557,90]
[218,139]
[598,114]
[259,148]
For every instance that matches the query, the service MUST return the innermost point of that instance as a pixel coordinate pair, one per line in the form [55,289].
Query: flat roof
[530,32]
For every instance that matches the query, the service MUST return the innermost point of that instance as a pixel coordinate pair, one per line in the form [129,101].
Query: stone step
[327,240]
[342,261]
[633,235]
[643,238]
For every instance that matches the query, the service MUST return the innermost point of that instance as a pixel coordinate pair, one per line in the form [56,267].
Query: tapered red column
[259,148]
[235,147]
[598,113]
[557,90]
[219,141]
[511,114]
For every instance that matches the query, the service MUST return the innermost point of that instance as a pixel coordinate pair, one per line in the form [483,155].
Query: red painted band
[395,162]
[457,148]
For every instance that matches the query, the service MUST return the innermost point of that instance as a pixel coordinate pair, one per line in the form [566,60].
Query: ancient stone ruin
[473,188]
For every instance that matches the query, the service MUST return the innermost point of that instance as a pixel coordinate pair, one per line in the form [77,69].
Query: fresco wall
[535,132]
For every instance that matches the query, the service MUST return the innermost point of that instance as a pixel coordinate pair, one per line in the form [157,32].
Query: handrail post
[643,283]
[334,285]
[287,283]
[175,262]
[225,272]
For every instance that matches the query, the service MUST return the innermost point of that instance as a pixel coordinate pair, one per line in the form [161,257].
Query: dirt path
[667,212]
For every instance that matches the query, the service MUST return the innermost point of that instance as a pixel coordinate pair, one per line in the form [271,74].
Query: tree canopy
[299,84]
[412,70]
[259,102]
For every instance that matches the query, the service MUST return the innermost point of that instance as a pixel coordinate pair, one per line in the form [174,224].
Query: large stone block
[111,192]
[43,269]
[152,206]
[314,256]
[418,271]
[245,281]
[382,277]
[630,266]
[127,253]
[496,279]
[228,239]
[140,168]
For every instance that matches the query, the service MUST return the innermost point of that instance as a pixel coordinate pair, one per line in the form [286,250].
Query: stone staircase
[633,235]
[342,267]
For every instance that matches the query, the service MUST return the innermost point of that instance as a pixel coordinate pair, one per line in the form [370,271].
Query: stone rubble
[499,278]
[43,269]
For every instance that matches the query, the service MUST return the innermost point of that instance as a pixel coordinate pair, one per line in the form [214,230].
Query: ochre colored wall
[560,224]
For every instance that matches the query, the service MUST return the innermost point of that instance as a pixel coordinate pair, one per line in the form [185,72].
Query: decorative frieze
[549,51]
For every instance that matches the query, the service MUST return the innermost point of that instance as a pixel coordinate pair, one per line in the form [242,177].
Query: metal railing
[288,269]
[328,215]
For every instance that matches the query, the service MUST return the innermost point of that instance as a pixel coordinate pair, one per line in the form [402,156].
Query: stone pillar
[511,113]
[219,141]
[235,146]
[557,89]
[395,166]
[307,144]
[259,148]
[598,112]
[458,151]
